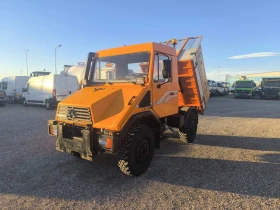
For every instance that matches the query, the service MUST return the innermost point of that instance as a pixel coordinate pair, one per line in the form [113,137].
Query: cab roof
[148,47]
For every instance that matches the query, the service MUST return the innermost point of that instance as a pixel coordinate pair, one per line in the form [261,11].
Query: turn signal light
[109,143]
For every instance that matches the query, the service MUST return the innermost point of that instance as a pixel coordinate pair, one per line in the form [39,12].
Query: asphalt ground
[234,163]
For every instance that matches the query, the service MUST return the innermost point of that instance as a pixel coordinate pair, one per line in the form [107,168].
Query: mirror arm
[159,85]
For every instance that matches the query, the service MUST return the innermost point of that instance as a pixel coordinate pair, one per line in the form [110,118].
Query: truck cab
[130,95]
[221,89]
[244,89]
[270,88]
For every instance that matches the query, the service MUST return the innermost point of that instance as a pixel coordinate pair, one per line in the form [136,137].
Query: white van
[78,71]
[220,90]
[13,87]
[49,90]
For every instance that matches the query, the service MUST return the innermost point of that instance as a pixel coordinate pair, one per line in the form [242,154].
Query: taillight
[54,93]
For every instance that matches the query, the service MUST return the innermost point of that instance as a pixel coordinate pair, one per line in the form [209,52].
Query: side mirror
[140,80]
[166,69]
[84,82]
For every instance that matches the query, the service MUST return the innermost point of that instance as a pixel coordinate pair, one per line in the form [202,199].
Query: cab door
[165,89]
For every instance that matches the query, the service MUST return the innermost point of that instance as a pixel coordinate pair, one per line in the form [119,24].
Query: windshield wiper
[130,81]
[105,81]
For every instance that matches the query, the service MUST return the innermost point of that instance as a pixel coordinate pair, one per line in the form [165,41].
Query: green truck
[244,89]
[270,88]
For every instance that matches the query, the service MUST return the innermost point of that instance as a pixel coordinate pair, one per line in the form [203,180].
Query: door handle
[171,94]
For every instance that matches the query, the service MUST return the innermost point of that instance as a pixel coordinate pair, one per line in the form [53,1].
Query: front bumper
[270,94]
[87,142]
[243,94]
[3,100]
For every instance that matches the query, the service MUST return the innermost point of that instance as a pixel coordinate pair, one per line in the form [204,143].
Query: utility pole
[219,73]
[26,62]
[21,73]
[55,57]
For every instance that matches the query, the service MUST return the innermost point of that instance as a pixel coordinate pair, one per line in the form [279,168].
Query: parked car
[13,87]
[231,88]
[49,90]
[3,98]
[227,87]
[220,89]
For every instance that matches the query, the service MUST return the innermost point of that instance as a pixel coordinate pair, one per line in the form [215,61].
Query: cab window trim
[158,54]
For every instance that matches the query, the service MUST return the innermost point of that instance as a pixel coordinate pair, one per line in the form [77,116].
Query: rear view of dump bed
[191,73]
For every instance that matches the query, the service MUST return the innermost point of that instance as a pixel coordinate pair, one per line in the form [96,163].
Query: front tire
[187,132]
[24,102]
[136,150]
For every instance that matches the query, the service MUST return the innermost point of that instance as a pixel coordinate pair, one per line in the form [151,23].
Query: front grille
[74,114]
[243,91]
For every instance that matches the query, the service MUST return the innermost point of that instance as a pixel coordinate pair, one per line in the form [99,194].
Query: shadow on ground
[237,142]
[227,106]
[52,174]
[248,178]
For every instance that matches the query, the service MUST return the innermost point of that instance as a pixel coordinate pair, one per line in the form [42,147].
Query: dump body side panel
[192,80]
[193,84]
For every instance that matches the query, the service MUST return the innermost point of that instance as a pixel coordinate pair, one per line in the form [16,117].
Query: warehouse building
[257,77]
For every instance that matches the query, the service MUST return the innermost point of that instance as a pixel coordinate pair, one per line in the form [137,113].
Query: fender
[153,122]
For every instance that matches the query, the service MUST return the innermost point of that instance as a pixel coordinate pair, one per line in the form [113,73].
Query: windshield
[243,84]
[271,84]
[4,85]
[121,68]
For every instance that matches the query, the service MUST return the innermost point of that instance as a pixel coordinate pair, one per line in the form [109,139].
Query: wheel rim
[47,105]
[143,151]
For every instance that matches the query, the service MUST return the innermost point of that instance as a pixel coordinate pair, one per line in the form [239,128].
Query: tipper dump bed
[193,90]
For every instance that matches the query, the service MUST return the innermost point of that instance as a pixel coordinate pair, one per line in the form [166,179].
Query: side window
[158,64]
[4,85]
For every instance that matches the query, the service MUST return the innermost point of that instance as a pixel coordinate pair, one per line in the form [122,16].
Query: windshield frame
[264,84]
[243,82]
[6,83]
[95,60]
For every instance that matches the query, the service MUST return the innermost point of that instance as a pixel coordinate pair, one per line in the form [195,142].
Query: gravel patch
[234,163]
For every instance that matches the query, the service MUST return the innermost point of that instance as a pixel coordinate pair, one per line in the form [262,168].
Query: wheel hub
[143,151]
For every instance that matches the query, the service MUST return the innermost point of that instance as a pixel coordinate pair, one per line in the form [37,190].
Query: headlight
[105,141]
[61,115]
[53,130]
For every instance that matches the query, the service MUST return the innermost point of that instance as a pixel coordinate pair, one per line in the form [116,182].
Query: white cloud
[255,55]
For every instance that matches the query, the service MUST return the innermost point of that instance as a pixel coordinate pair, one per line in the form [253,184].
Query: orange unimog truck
[129,97]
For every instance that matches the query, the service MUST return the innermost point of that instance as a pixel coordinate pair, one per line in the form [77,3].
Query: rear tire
[136,150]
[48,104]
[10,100]
[24,102]
[1,105]
[187,132]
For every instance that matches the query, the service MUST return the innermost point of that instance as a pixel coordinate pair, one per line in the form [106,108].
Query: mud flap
[86,146]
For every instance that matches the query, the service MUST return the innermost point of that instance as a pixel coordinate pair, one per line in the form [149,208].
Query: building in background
[257,77]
